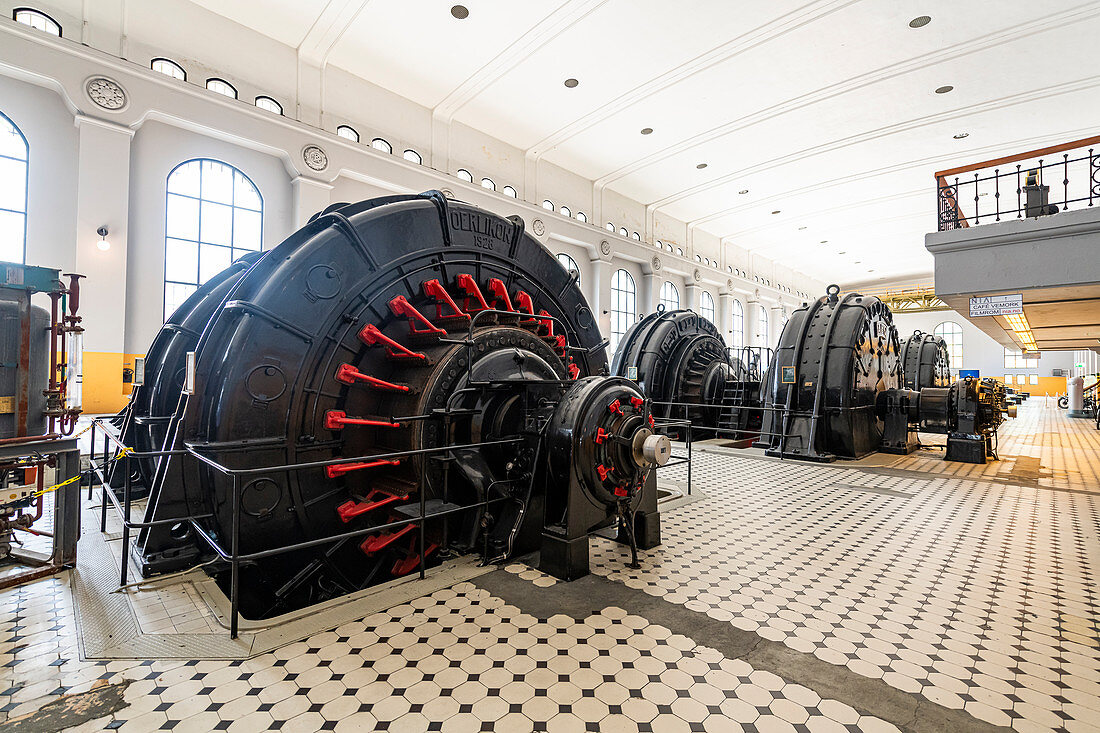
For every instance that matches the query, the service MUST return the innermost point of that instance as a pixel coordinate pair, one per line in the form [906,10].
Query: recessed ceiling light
[801,228]
[776,211]
[944,89]
[647,130]
[960,135]
[824,241]
[571,83]
[701,166]
[743,191]
[858,261]
[920,21]
[460,11]
[842,253]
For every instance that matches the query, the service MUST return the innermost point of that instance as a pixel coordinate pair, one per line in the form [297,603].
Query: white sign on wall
[997,305]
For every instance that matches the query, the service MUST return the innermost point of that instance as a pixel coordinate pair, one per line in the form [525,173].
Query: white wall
[979,350]
[111,169]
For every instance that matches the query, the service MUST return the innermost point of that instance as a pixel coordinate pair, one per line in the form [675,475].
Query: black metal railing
[1036,183]
[114,451]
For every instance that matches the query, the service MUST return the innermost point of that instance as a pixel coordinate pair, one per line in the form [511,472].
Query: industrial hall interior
[561,365]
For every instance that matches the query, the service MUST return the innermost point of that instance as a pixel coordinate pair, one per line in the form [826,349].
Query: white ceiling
[824,110]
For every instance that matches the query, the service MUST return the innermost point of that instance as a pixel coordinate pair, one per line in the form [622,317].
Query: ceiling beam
[855,83]
[550,27]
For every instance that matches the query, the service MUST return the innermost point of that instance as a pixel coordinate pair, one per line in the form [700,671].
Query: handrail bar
[1049,150]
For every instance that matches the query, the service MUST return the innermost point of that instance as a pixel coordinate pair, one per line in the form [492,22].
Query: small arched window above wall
[622,231]
[509,192]
[609,227]
[213,215]
[222,87]
[380,144]
[548,205]
[570,265]
[348,133]
[706,305]
[565,211]
[464,175]
[168,67]
[413,157]
[670,296]
[952,334]
[636,237]
[581,216]
[489,184]
[269,104]
[37,19]
[14,155]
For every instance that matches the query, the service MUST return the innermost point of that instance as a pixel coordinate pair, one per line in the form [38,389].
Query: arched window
[37,19]
[509,192]
[565,211]
[213,215]
[762,338]
[624,304]
[622,231]
[13,192]
[269,104]
[609,227]
[570,265]
[737,338]
[380,144]
[952,334]
[489,184]
[670,296]
[706,306]
[698,258]
[636,237]
[465,175]
[659,244]
[221,86]
[168,67]
[581,216]
[348,133]
[413,157]
[548,205]
[680,251]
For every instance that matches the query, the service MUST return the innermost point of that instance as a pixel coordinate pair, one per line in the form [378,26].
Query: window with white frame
[37,19]
[348,133]
[737,337]
[168,67]
[762,338]
[624,304]
[622,231]
[413,157]
[548,205]
[952,335]
[581,216]
[464,175]
[213,215]
[565,211]
[1014,359]
[670,296]
[509,192]
[380,144]
[706,306]
[569,264]
[489,184]
[222,87]
[14,154]
[269,104]
[609,227]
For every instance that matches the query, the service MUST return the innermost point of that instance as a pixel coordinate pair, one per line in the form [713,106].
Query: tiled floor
[790,598]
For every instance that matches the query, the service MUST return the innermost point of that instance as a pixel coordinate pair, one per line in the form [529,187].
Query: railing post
[235,559]
[91,460]
[125,514]
[689,457]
